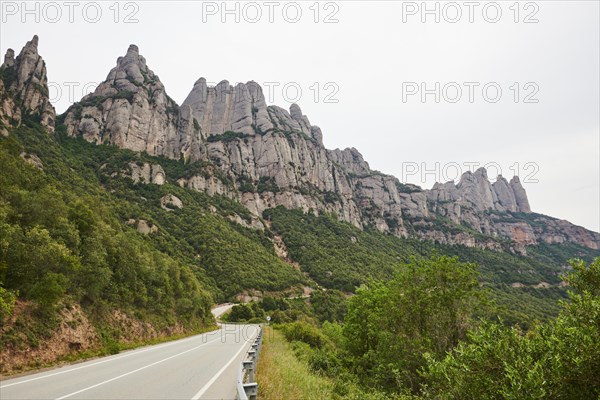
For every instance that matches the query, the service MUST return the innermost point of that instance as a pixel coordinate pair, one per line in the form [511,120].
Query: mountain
[264,156]
[124,219]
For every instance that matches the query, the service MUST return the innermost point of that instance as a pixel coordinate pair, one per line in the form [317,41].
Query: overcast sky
[362,67]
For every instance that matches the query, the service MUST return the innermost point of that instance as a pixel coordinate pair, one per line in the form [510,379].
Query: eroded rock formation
[129,109]
[265,156]
[24,89]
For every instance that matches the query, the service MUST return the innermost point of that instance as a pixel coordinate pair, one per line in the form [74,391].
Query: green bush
[304,332]
[557,360]
[7,303]
[49,289]
[226,137]
[329,305]
[240,313]
[426,308]
[325,362]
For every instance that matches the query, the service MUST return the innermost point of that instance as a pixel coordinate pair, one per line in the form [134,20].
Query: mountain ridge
[264,156]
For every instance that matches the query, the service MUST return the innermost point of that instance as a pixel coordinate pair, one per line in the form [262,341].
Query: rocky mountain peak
[134,66]
[475,190]
[481,173]
[505,195]
[130,109]
[295,112]
[133,50]
[243,109]
[9,58]
[25,82]
[33,43]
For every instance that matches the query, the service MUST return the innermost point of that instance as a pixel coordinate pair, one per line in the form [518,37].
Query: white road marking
[134,371]
[131,353]
[216,376]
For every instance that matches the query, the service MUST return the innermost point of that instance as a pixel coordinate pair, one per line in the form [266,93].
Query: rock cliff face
[147,173]
[242,108]
[131,109]
[474,196]
[24,89]
[476,192]
[265,156]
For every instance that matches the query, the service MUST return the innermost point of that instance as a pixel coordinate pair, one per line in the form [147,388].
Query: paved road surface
[203,366]
[221,309]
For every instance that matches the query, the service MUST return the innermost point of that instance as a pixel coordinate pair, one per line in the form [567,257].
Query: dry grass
[280,375]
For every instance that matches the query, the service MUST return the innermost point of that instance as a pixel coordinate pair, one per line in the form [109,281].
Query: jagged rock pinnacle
[475,190]
[9,58]
[135,113]
[28,87]
[133,49]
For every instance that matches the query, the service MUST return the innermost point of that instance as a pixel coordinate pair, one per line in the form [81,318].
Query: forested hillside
[67,239]
[78,230]
[339,256]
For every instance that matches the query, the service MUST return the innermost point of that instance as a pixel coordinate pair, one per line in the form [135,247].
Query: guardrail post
[252,355]
[249,367]
[251,390]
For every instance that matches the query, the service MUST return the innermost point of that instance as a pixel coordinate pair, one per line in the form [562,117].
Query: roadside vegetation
[282,375]
[418,336]
[387,317]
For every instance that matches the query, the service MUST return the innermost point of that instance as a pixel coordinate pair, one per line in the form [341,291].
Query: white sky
[370,54]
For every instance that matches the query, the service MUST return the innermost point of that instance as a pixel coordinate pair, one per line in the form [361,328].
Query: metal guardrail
[247,388]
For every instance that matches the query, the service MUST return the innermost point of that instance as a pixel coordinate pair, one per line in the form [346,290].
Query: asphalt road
[221,309]
[199,367]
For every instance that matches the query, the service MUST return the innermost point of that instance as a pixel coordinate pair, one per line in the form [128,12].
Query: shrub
[7,303]
[304,332]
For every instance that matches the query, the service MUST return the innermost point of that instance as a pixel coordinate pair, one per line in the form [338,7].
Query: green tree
[329,305]
[426,308]
[556,360]
[240,313]
[49,290]
[7,303]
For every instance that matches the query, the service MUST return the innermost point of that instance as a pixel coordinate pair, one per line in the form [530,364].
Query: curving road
[199,367]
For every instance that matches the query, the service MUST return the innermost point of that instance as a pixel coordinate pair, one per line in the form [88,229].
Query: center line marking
[131,353]
[134,371]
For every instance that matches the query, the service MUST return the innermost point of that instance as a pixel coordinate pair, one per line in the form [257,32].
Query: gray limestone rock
[505,195]
[130,109]
[170,202]
[147,173]
[520,195]
[26,92]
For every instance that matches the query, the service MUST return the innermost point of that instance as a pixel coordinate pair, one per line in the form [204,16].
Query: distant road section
[199,367]
[221,309]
